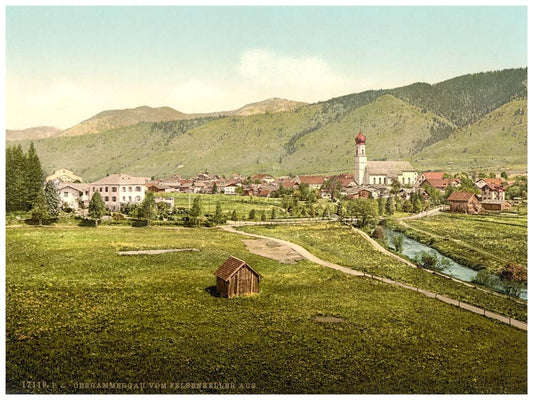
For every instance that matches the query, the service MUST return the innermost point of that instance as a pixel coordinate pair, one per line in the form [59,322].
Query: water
[411,248]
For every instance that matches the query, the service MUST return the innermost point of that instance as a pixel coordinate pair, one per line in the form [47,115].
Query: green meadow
[77,315]
[341,245]
[480,241]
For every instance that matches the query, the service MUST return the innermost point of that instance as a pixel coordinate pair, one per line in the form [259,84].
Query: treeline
[462,100]
[171,129]
[24,178]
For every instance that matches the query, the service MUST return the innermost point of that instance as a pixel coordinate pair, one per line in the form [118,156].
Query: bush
[514,273]
[397,242]
[378,233]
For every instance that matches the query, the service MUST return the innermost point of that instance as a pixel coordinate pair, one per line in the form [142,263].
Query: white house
[230,189]
[63,175]
[118,189]
[72,194]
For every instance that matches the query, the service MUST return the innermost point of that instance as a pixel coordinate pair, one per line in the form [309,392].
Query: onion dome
[360,139]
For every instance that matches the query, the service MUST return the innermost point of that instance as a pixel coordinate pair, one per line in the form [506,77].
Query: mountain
[39,132]
[268,106]
[498,140]
[113,119]
[426,124]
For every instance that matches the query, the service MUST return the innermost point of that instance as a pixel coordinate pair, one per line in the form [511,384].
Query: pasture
[479,241]
[79,318]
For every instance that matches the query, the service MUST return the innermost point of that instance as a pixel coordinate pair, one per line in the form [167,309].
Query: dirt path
[311,257]
[150,252]
[423,214]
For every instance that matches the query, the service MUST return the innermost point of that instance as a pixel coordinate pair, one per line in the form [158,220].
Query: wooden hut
[464,202]
[495,205]
[235,277]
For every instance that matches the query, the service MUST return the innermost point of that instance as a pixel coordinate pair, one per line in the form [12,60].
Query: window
[137,188]
[113,189]
[129,188]
[100,190]
[114,198]
[374,180]
[106,189]
[107,198]
[129,198]
[409,181]
[363,152]
[379,180]
[123,198]
[123,188]
[65,194]
[94,189]
[137,198]
[403,180]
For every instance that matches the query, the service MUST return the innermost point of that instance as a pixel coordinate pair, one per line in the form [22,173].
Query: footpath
[311,257]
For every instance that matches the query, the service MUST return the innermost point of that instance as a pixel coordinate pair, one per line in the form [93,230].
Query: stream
[411,248]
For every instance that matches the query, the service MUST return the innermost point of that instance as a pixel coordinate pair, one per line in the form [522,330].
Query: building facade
[119,189]
[380,173]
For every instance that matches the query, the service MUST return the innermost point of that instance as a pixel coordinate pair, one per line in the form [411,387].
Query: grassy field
[341,245]
[77,314]
[479,241]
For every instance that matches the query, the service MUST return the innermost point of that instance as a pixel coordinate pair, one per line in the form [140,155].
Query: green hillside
[422,123]
[112,119]
[497,141]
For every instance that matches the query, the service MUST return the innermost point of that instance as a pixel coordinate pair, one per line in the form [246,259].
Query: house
[158,187]
[490,191]
[440,184]
[231,188]
[235,277]
[71,194]
[314,182]
[495,205]
[429,175]
[63,175]
[263,178]
[118,189]
[380,172]
[464,202]
[406,193]
[490,181]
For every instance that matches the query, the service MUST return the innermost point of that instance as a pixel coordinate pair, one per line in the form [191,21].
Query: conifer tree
[52,198]
[34,177]
[273,213]
[96,207]
[218,213]
[148,207]
[40,208]
[196,210]
[390,207]
[234,215]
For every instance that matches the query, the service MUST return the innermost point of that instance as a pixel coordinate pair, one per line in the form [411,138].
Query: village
[371,180]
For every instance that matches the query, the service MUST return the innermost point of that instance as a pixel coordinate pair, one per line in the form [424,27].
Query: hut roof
[230,267]
[461,196]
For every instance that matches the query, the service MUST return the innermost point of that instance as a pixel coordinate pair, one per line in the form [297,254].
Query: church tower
[360,159]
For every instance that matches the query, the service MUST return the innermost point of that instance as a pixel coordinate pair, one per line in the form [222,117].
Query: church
[380,173]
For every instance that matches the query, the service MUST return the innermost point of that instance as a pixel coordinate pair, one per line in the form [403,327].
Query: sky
[65,64]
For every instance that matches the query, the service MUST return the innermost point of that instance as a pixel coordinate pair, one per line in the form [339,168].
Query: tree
[34,176]
[430,260]
[273,213]
[340,209]
[378,233]
[407,206]
[15,176]
[395,186]
[365,210]
[96,207]
[504,175]
[514,273]
[263,216]
[214,189]
[234,215]
[381,205]
[40,208]
[417,206]
[196,210]
[486,278]
[148,207]
[390,207]
[251,214]
[218,218]
[397,242]
[52,199]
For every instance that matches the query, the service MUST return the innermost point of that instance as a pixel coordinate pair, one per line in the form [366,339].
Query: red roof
[461,196]
[360,139]
[230,267]
[312,180]
[434,175]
